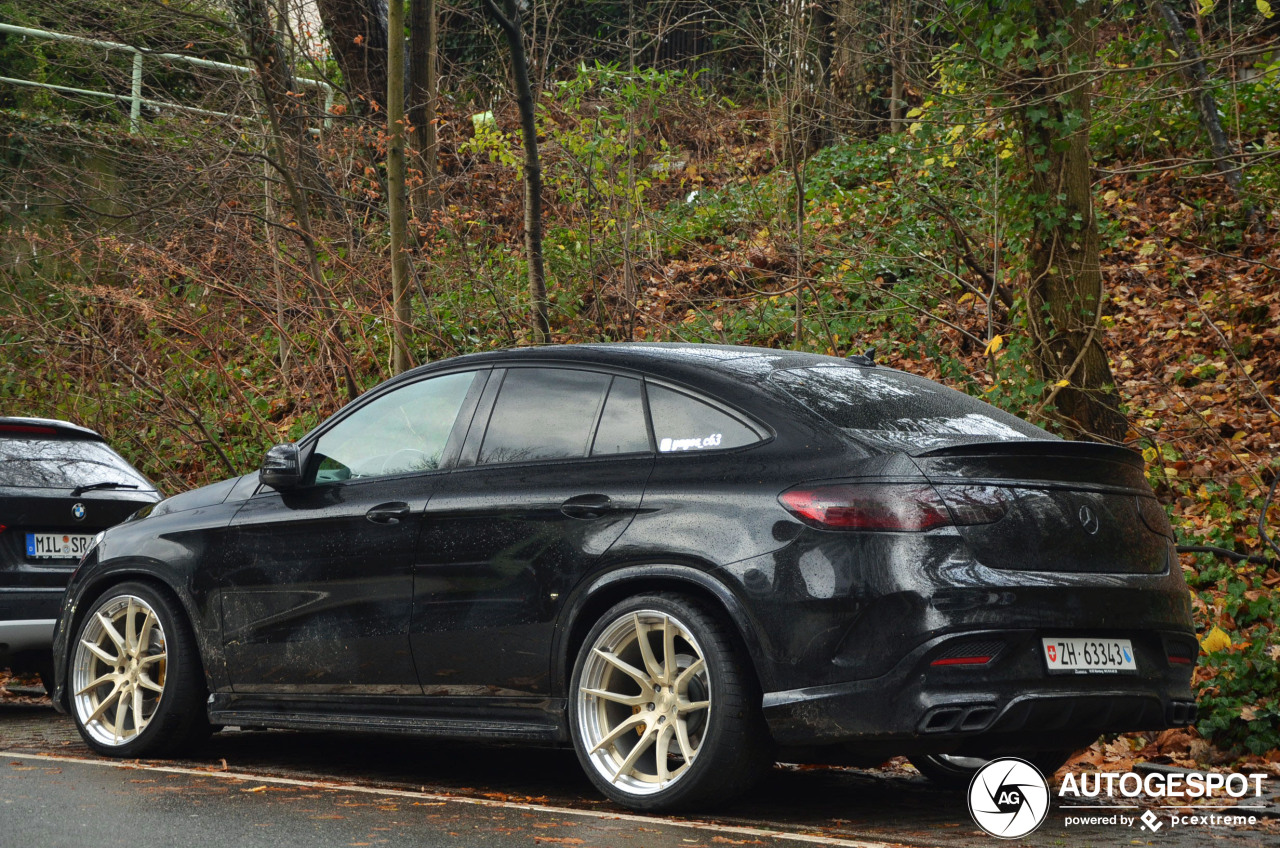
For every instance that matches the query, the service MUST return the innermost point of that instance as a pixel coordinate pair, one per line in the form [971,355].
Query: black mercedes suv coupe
[686,561]
[60,485]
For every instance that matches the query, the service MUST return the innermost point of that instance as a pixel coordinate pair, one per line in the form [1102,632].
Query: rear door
[551,475]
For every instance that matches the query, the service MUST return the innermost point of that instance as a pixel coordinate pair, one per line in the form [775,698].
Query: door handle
[588,506]
[388,513]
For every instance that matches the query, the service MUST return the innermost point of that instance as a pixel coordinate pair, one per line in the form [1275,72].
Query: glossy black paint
[451,600]
[55,478]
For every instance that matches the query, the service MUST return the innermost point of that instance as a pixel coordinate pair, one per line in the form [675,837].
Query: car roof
[18,426]
[681,361]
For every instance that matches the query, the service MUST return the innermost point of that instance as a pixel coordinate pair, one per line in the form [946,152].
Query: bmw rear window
[900,411]
[63,464]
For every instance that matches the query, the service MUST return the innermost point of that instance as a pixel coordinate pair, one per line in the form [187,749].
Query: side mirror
[282,467]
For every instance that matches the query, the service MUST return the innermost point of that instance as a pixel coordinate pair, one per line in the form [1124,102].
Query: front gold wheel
[135,680]
[118,671]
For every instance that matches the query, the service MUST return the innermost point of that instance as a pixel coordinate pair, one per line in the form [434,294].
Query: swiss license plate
[1089,656]
[57,545]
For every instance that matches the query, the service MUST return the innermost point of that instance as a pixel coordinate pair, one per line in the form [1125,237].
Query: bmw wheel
[664,713]
[136,685]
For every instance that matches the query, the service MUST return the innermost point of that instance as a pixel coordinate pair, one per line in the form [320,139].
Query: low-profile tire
[664,711]
[957,772]
[134,678]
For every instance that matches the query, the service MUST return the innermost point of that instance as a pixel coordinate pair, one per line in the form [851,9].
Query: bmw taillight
[906,507]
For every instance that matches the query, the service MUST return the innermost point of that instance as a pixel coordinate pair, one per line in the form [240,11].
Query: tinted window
[64,464]
[683,423]
[622,427]
[399,433]
[543,413]
[900,410]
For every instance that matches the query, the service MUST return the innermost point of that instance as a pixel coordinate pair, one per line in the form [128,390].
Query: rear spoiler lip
[1039,447]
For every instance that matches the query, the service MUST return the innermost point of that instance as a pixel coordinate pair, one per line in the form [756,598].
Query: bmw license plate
[57,545]
[1089,656]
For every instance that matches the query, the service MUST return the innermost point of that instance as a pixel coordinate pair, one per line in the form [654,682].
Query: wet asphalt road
[279,788]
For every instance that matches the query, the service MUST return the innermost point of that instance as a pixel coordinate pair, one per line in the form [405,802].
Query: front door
[319,594]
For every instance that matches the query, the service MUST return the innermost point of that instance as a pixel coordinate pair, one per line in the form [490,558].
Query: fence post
[135,107]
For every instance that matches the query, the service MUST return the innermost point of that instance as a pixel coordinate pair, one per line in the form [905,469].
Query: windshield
[64,464]
[900,411]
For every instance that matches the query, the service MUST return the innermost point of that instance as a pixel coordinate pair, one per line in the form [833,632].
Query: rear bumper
[1009,702]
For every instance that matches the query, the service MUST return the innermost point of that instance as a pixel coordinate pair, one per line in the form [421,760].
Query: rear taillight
[32,429]
[909,507]
[868,507]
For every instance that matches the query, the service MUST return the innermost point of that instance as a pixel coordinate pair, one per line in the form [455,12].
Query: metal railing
[134,97]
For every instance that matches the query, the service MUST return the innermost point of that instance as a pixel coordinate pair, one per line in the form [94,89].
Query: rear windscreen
[64,464]
[900,411]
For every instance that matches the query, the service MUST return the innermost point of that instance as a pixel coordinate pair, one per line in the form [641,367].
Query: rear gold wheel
[664,713]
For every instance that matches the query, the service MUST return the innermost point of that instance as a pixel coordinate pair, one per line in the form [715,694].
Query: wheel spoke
[122,712]
[617,697]
[626,668]
[663,743]
[668,651]
[105,703]
[630,762]
[623,727]
[130,628]
[682,682]
[109,677]
[682,739]
[151,658]
[146,682]
[97,651]
[138,721]
[109,627]
[690,706]
[646,650]
[144,634]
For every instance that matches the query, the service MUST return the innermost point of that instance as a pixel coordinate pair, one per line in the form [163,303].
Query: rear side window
[622,426]
[544,413]
[64,464]
[684,423]
[900,411]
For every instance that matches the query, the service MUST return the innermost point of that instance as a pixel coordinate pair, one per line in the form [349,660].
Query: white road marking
[693,824]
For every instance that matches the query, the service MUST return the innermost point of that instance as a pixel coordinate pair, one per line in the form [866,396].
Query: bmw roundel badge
[77,512]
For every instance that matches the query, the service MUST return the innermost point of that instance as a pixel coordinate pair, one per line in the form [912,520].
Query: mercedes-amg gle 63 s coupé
[685,561]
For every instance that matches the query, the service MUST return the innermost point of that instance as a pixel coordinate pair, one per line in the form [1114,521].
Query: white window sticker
[669,445]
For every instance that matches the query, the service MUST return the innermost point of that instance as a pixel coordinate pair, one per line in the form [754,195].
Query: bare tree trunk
[275,79]
[1064,294]
[509,21]
[357,33]
[899,33]
[288,124]
[400,360]
[423,83]
[1198,78]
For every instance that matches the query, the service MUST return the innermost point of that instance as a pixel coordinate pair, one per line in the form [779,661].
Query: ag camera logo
[1008,798]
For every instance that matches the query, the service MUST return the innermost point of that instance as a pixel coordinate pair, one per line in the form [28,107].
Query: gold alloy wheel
[118,669]
[644,701]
